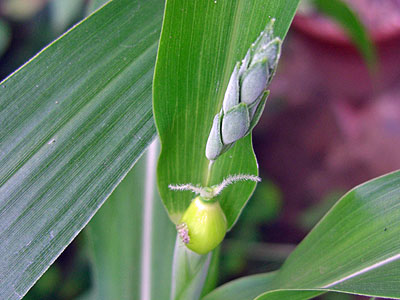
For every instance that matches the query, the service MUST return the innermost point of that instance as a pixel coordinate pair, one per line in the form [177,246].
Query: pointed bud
[245,97]
[244,64]
[235,124]
[232,91]
[254,82]
[257,110]
[214,143]
[271,52]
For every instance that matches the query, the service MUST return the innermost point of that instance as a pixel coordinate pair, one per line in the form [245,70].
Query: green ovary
[206,224]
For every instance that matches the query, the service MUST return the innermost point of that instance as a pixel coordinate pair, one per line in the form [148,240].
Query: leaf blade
[361,218]
[243,288]
[70,132]
[344,15]
[118,231]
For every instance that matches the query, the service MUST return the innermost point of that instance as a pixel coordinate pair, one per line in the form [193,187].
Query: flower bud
[231,97]
[203,225]
[214,143]
[245,96]
[254,82]
[272,50]
[235,124]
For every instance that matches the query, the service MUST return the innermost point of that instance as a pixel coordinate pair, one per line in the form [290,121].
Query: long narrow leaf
[132,239]
[73,122]
[358,239]
[340,11]
[244,288]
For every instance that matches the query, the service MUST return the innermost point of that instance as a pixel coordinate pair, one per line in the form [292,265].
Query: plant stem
[210,164]
[189,272]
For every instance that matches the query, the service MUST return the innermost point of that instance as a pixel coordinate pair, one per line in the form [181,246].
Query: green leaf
[290,294]
[354,249]
[213,272]
[73,122]
[132,239]
[200,44]
[358,239]
[244,288]
[344,15]
[250,287]
[95,4]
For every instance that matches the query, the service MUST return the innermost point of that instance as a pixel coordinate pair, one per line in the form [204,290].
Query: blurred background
[332,122]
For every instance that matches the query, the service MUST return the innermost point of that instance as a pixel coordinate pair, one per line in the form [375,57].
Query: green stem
[210,164]
[189,272]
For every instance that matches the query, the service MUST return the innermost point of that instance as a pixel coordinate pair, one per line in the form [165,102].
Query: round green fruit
[203,225]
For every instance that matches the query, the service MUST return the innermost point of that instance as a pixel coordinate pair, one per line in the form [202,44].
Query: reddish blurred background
[330,123]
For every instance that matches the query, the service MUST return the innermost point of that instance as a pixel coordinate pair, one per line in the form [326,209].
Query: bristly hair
[216,189]
[232,179]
